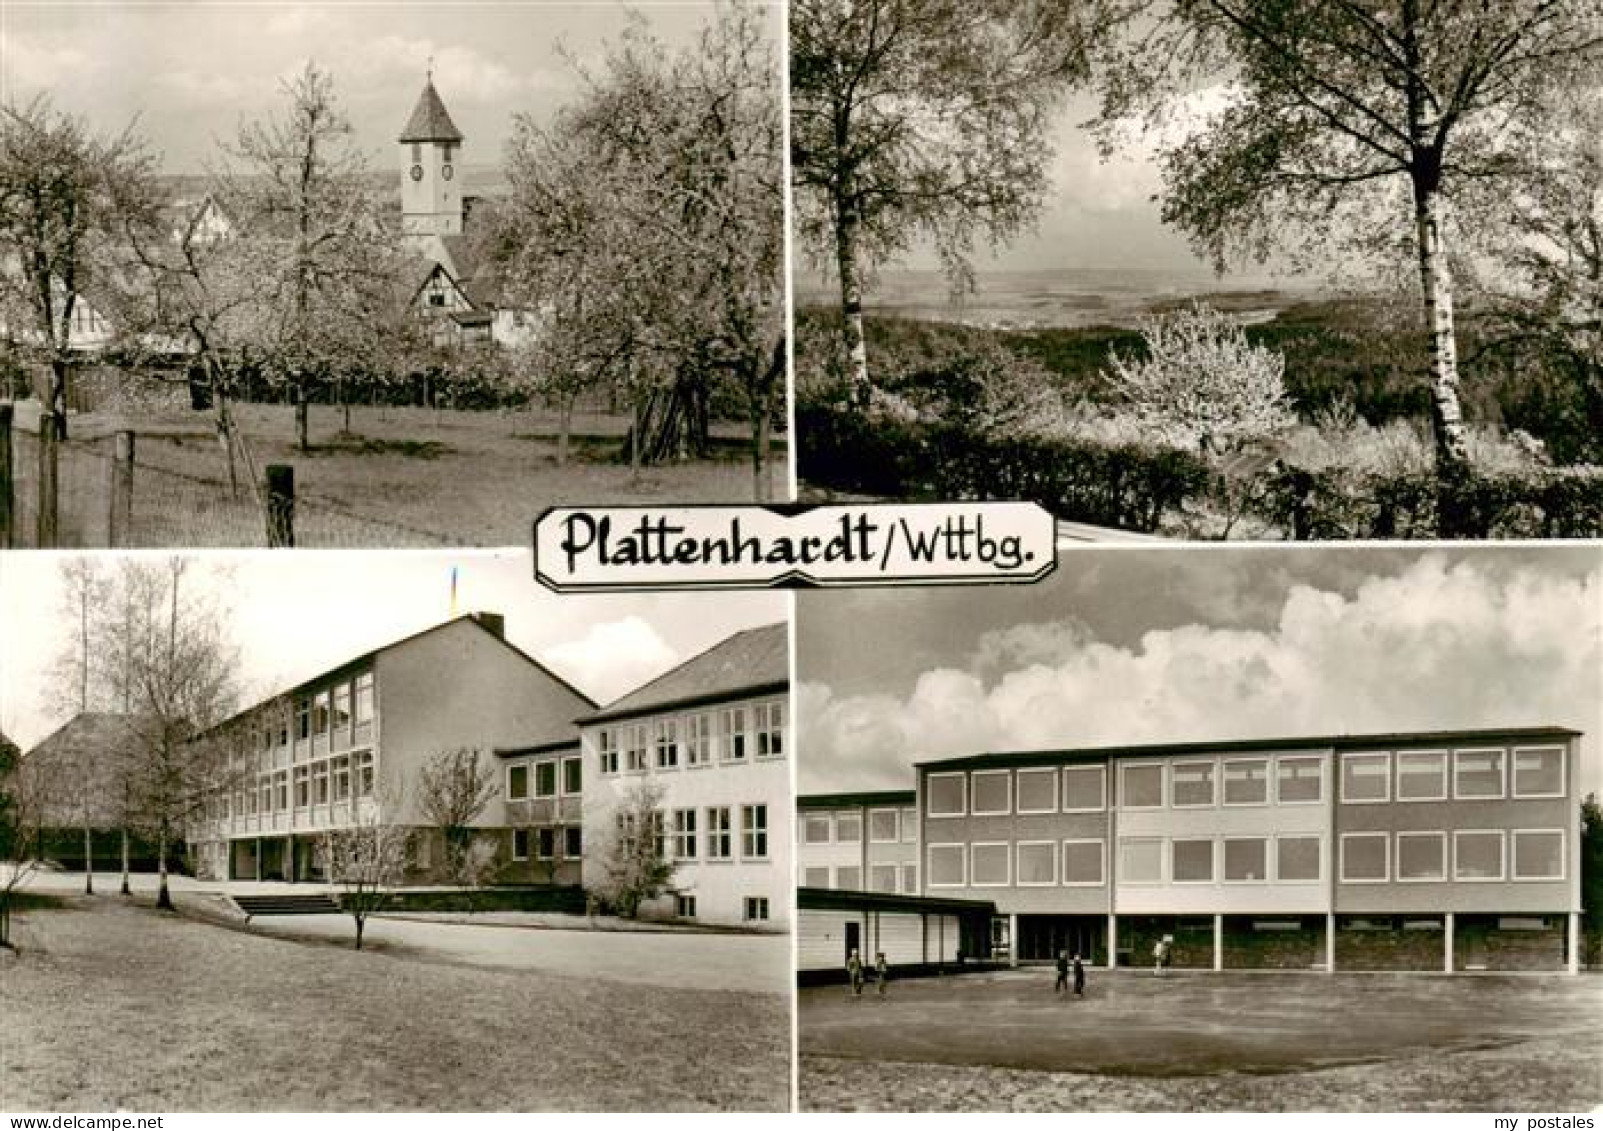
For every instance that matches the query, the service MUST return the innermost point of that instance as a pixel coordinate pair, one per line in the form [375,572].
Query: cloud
[461,73]
[298,20]
[27,64]
[613,657]
[1433,647]
[207,89]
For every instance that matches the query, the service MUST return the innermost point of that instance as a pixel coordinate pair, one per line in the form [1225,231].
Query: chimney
[494,622]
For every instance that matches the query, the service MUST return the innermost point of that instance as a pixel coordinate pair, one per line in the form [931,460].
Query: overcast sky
[1133,646]
[189,73]
[296,615]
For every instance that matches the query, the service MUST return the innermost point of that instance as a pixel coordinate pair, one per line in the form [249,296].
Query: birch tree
[1358,117]
[366,857]
[924,120]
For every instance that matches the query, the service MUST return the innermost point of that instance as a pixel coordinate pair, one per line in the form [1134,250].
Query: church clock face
[445,171]
[417,172]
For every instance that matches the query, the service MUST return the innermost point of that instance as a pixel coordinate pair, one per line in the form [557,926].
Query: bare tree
[1350,116]
[924,119]
[366,857]
[635,866]
[453,790]
[84,590]
[22,806]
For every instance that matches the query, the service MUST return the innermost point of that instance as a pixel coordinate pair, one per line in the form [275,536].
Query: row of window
[753,908]
[849,877]
[552,778]
[1478,855]
[335,780]
[885,826]
[734,734]
[1286,779]
[332,719]
[545,842]
[710,833]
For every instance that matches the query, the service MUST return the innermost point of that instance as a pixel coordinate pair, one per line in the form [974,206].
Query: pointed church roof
[429,120]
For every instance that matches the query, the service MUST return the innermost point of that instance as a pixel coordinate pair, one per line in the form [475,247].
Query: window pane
[1246,860]
[882,877]
[1037,791]
[1191,783]
[573,776]
[882,827]
[1084,787]
[545,779]
[816,830]
[909,826]
[848,828]
[849,879]
[990,864]
[1246,783]
[1298,858]
[1539,773]
[815,878]
[945,794]
[1037,864]
[910,879]
[1363,857]
[1193,861]
[1141,787]
[518,783]
[1141,861]
[1421,857]
[990,792]
[1539,855]
[1363,777]
[1300,779]
[945,865]
[1421,774]
[1082,862]
[1478,856]
[1478,773]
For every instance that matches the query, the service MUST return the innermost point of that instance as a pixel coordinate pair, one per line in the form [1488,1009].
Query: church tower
[431,190]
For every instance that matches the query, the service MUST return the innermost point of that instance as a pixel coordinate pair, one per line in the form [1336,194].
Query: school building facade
[858,841]
[710,742]
[1453,851]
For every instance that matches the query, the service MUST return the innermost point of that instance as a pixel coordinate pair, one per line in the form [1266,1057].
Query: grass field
[1207,1042]
[111,1006]
[401,476]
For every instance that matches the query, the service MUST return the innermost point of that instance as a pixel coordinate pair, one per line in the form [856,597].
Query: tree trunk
[125,888]
[847,224]
[225,434]
[56,404]
[361,923]
[88,861]
[47,526]
[302,415]
[762,475]
[1447,415]
[564,427]
[164,898]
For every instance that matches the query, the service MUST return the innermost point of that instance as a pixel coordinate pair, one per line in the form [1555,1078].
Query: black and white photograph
[1220,829]
[352,274]
[378,833]
[1204,269]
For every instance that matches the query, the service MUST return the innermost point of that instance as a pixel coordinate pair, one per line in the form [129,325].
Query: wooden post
[46,530]
[119,522]
[280,505]
[8,497]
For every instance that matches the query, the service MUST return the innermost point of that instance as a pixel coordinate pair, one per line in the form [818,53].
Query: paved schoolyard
[1131,1023]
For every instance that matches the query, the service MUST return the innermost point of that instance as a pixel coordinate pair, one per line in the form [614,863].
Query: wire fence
[124,491]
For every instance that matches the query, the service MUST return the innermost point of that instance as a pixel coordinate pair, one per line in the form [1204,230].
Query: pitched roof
[429,121]
[749,662]
[88,732]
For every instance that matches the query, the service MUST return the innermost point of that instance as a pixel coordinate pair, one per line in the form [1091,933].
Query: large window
[302,778]
[573,842]
[1478,855]
[944,794]
[303,719]
[546,844]
[1192,861]
[720,834]
[815,828]
[634,750]
[909,826]
[1083,863]
[573,776]
[991,789]
[545,779]
[882,877]
[1085,788]
[363,707]
[910,879]
[1365,777]
[1538,771]
[1477,773]
[735,738]
[1246,781]
[517,783]
[320,723]
[342,778]
[1141,861]
[607,750]
[754,832]
[698,739]
[1297,859]
[340,718]
[364,774]
[1538,854]
[1191,784]
[1421,856]
[665,737]
[849,878]
[990,865]
[1421,775]
[520,844]
[1246,860]
[848,828]
[770,729]
[882,826]
[684,834]
[945,866]
[1141,786]
[320,783]
[1037,863]
[1038,791]
[281,790]
[815,877]
[1365,858]
[1299,780]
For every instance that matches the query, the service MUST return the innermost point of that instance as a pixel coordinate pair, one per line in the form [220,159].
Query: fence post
[280,505]
[8,497]
[119,520]
[47,530]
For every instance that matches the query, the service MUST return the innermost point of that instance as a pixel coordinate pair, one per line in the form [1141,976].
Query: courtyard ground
[111,1005]
[1193,1042]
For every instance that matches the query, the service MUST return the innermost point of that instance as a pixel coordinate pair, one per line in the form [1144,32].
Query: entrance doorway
[1041,937]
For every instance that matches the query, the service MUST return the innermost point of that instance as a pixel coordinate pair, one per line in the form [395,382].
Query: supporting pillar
[1330,942]
[1218,942]
[1447,943]
[1113,941]
[258,859]
[1013,939]
[1572,963]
